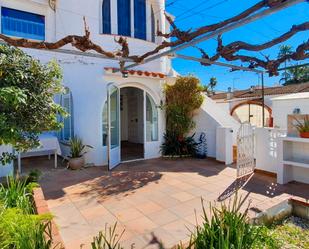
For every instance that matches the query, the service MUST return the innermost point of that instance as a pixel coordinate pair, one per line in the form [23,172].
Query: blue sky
[193,14]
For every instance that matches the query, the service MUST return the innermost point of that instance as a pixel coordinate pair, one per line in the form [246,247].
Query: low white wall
[224,145]
[7,169]
[267,148]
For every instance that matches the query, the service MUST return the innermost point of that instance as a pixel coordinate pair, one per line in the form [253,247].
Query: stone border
[41,207]
[290,206]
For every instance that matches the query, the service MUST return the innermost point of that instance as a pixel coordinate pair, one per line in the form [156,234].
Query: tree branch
[228,51]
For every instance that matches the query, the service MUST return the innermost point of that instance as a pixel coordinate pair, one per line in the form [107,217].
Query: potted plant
[303,127]
[78,149]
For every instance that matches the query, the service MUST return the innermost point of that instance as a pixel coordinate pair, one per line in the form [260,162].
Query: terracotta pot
[304,134]
[76,163]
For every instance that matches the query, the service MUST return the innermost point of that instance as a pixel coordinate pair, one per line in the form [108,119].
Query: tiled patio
[152,200]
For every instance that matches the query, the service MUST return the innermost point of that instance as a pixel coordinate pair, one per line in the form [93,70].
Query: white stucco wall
[208,118]
[85,76]
[285,105]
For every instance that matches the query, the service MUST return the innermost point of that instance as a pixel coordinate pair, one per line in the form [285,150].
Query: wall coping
[41,207]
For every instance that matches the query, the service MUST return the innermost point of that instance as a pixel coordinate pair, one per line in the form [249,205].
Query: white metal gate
[245,150]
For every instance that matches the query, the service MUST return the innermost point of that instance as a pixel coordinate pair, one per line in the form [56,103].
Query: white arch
[141,86]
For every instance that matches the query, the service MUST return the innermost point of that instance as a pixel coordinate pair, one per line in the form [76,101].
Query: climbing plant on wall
[182,99]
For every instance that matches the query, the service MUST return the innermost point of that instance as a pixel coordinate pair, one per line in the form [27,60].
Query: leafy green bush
[17,194]
[182,99]
[174,145]
[27,107]
[24,231]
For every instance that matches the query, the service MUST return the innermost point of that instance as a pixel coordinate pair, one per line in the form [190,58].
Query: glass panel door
[113,126]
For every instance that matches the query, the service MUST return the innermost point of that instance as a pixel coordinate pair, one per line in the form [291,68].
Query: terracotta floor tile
[136,242]
[128,214]
[94,212]
[162,217]
[167,201]
[154,196]
[183,196]
[179,229]
[148,207]
[140,225]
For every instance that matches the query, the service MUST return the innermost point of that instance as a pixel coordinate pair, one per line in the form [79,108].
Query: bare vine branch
[228,51]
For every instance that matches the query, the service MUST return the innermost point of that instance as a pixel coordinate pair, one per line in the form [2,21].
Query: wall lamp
[125,74]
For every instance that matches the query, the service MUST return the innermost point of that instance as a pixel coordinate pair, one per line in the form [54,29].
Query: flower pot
[304,134]
[76,163]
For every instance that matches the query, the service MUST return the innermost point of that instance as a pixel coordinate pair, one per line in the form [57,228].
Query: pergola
[170,51]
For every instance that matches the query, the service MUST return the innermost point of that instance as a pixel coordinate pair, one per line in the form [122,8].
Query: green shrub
[227,228]
[24,231]
[182,99]
[107,239]
[174,145]
[17,193]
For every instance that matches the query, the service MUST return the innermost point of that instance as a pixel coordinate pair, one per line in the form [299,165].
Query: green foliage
[77,147]
[24,231]
[182,99]
[109,239]
[19,227]
[287,234]
[302,125]
[27,89]
[297,75]
[17,194]
[227,228]
[34,176]
[174,145]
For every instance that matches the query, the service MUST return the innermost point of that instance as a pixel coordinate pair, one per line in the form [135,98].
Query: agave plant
[302,126]
[78,149]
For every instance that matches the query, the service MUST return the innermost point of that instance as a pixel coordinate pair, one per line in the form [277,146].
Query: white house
[118,115]
[94,94]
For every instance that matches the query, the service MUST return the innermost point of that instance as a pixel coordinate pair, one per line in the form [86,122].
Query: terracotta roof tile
[277,90]
[139,73]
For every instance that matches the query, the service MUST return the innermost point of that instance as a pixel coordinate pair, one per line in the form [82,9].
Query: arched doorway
[132,123]
[251,111]
[138,122]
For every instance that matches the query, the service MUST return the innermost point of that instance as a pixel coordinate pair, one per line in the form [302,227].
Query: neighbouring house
[246,105]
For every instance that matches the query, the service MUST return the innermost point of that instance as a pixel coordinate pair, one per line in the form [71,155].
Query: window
[124,17]
[140,19]
[22,24]
[67,131]
[153,26]
[106,16]
[151,119]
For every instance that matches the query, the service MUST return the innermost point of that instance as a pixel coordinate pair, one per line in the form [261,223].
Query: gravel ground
[297,221]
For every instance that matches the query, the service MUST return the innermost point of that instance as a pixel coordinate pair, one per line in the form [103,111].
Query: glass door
[113,103]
